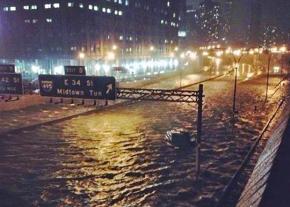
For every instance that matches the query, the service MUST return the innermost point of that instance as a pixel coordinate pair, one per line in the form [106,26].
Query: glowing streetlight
[82,55]
[219,53]
[111,56]
[114,47]
[152,48]
[182,55]
[172,55]
[176,49]
[193,55]
[283,49]
[237,52]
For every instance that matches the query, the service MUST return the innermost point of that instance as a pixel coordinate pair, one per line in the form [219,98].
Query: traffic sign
[11,83]
[76,86]
[7,68]
[74,70]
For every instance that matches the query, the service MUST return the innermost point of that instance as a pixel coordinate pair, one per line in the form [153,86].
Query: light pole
[236,53]
[81,57]
[268,73]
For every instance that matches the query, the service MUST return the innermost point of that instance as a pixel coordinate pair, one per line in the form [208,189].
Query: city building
[92,30]
[206,22]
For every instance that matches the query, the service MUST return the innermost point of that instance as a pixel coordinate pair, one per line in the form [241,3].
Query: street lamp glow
[176,49]
[111,56]
[114,47]
[237,52]
[283,49]
[218,62]
[172,55]
[193,55]
[219,53]
[82,55]
[152,48]
[228,50]
[182,55]
[251,52]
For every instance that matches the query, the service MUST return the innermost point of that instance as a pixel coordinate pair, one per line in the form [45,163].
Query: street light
[237,58]
[114,47]
[81,57]
[267,52]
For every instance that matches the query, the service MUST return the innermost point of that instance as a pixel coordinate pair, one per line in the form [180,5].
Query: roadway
[118,157]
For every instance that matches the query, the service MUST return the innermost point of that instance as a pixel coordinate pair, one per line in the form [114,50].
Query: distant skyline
[251,21]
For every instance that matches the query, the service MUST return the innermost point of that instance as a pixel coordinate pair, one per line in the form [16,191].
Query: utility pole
[268,74]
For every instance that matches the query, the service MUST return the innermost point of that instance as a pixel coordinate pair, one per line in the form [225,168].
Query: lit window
[96,8]
[26,7]
[121,37]
[48,20]
[168,4]
[47,6]
[56,5]
[81,5]
[109,11]
[70,4]
[120,13]
[34,21]
[33,7]
[5,9]
[104,10]
[120,1]
[12,8]
[90,7]
[126,2]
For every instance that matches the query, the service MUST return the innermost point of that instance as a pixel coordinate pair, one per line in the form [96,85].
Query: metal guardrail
[225,193]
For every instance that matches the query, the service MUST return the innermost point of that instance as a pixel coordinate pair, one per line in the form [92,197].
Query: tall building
[35,29]
[207,21]
[275,27]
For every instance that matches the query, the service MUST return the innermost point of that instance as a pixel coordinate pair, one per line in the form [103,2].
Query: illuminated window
[12,8]
[70,4]
[81,5]
[5,9]
[33,7]
[120,13]
[96,8]
[109,11]
[48,20]
[26,7]
[90,7]
[47,6]
[56,5]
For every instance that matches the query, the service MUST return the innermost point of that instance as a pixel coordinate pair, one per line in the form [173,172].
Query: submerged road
[118,157]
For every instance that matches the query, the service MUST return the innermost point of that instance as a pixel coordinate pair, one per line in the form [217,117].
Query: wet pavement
[118,157]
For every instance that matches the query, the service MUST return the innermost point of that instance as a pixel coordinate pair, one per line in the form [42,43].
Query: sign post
[199,128]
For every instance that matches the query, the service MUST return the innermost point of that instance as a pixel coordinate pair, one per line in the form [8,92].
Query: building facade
[35,29]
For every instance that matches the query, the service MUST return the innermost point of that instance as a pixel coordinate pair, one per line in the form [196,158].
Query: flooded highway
[118,157]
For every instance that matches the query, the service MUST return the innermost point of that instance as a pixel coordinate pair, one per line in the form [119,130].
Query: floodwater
[118,157]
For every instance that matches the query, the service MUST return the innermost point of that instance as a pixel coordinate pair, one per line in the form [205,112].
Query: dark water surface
[119,157]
